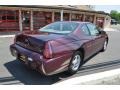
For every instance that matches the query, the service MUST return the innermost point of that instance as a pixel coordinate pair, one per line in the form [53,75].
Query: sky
[107,8]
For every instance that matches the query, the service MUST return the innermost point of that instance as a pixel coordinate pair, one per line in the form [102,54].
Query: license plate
[22,57]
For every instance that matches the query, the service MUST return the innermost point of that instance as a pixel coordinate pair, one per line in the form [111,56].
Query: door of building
[26,20]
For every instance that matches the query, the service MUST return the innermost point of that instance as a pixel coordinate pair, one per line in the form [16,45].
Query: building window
[41,18]
[89,18]
[57,16]
[9,20]
[77,17]
[66,16]
[3,17]
[9,15]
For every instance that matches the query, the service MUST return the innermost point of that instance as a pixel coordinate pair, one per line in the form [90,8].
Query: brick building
[23,17]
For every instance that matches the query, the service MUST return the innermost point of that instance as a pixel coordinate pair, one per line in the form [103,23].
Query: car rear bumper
[37,62]
[31,59]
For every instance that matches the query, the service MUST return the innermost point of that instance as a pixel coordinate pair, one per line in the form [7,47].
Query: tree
[115,15]
[119,17]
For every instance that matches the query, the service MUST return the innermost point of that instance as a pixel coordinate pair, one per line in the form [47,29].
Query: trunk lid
[35,41]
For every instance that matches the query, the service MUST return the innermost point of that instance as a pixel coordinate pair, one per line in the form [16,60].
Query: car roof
[80,22]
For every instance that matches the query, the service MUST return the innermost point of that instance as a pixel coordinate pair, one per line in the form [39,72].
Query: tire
[104,46]
[75,63]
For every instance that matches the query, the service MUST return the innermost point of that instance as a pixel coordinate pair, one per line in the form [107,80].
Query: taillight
[48,50]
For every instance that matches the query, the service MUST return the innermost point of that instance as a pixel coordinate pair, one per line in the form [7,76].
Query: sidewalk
[104,78]
[7,34]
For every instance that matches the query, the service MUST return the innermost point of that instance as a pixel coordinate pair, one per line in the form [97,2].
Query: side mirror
[101,32]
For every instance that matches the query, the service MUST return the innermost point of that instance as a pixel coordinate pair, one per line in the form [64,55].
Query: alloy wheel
[76,62]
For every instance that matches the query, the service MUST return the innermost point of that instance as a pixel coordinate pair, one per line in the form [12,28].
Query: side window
[93,29]
[85,30]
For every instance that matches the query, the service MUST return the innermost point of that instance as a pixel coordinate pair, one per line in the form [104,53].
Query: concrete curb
[88,79]
[111,29]
[6,36]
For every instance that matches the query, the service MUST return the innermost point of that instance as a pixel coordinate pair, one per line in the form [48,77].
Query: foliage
[115,15]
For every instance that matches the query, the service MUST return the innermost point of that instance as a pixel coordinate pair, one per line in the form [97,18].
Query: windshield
[60,27]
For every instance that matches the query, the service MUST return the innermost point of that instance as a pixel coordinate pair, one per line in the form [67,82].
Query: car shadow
[31,77]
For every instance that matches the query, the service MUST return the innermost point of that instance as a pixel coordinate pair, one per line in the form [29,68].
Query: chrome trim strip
[43,69]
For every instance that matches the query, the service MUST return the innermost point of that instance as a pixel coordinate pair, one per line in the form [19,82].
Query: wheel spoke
[76,62]
[105,45]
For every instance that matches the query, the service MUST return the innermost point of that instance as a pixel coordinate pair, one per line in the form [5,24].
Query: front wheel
[75,63]
[104,46]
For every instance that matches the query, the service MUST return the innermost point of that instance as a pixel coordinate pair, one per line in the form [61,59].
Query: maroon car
[59,46]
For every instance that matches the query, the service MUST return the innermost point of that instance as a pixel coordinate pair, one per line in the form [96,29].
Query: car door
[97,37]
[88,41]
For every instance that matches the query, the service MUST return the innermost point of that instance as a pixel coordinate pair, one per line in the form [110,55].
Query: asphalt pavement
[14,72]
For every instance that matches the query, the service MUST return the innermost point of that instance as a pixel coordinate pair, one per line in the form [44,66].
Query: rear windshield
[60,27]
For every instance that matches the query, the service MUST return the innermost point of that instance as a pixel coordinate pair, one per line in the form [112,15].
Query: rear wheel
[75,63]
